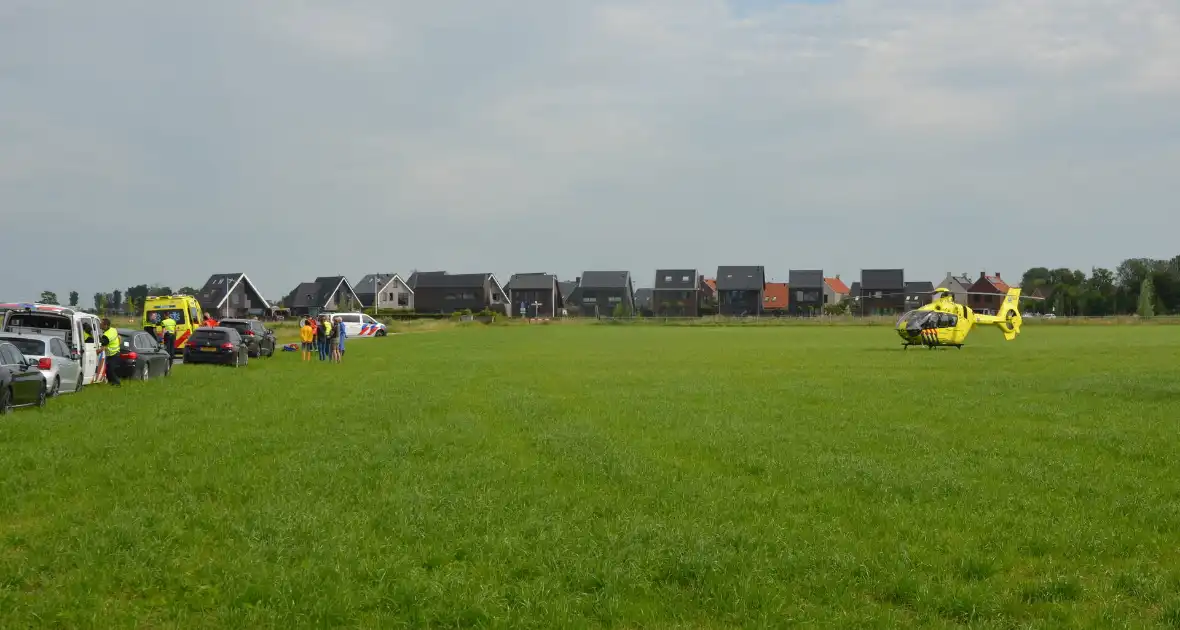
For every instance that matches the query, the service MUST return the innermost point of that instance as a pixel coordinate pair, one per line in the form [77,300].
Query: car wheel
[246,361]
[43,395]
[380,333]
[145,371]
[237,360]
[78,383]
[56,387]
[168,368]
[5,400]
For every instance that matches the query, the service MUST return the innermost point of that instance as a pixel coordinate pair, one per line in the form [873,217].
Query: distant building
[993,286]
[677,293]
[882,291]
[807,292]
[740,290]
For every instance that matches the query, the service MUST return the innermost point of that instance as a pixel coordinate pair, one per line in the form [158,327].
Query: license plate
[208,349]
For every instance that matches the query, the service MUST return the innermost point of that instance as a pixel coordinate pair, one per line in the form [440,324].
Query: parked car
[259,338]
[217,345]
[79,330]
[21,383]
[62,372]
[143,356]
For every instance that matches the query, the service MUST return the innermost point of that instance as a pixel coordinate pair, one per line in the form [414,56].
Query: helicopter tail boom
[1008,315]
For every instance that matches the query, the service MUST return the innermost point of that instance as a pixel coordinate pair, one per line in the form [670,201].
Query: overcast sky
[143,141]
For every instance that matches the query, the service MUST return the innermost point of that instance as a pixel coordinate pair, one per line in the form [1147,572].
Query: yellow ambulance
[184,309]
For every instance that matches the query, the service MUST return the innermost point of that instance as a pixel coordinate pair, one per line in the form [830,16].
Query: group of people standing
[325,335]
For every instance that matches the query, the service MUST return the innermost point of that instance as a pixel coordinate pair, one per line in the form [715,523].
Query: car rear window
[238,326]
[38,320]
[34,347]
[210,335]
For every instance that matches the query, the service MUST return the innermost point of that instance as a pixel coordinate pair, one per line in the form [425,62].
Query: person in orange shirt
[209,321]
[307,336]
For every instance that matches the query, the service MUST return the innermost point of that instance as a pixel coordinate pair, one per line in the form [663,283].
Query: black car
[142,355]
[217,345]
[21,383]
[259,338]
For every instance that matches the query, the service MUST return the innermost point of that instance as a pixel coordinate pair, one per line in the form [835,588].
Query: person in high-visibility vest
[169,326]
[111,345]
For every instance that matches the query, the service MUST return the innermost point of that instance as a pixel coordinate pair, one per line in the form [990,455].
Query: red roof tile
[775,296]
[837,285]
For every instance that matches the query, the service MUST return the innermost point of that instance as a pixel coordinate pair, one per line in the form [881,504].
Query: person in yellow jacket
[168,325]
[111,346]
[307,336]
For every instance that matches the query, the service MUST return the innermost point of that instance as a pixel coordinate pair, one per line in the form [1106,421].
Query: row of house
[734,290]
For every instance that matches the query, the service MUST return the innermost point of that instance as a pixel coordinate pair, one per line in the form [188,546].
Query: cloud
[613,134]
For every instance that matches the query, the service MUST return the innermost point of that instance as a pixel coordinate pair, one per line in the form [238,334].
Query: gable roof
[605,280]
[303,296]
[711,283]
[882,279]
[954,282]
[444,280]
[531,282]
[219,286]
[567,288]
[412,281]
[806,278]
[677,279]
[919,288]
[777,295]
[739,278]
[330,286]
[854,290]
[837,285]
[379,280]
[986,282]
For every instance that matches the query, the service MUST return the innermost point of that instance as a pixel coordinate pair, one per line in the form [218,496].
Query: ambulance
[81,332]
[183,309]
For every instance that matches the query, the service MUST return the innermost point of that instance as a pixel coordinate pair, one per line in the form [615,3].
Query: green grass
[594,476]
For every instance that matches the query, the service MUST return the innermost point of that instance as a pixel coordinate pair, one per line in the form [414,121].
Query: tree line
[1138,286]
[117,301]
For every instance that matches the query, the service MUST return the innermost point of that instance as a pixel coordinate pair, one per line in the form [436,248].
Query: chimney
[837,276]
[998,276]
[578,280]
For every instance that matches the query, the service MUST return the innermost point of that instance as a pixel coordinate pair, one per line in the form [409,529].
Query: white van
[359,325]
[80,331]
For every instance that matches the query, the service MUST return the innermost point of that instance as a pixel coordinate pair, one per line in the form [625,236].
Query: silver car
[63,373]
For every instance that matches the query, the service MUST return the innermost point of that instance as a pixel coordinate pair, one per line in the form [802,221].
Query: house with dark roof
[324,294]
[835,291]
[807,292]
[643,301]
[227,295]
[677,293]
[958,286]
[385,291]
[995,289]
[918,293]
[882,291]
[442,292]
[601,293]
[776,298]
[535,295]
[740,290]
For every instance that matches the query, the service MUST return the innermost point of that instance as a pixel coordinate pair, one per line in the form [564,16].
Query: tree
[116,303]
[100,303]
[136,293]
[187,290]
[132,306]
[48,297]
[1146,298]
[73,298]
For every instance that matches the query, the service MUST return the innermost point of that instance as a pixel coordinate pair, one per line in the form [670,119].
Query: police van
[81,332]
[359,325]
[183,309]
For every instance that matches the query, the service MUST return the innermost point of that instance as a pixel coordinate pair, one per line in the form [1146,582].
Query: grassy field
[623,476]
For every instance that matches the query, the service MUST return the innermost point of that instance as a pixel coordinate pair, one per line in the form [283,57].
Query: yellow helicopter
[944,322]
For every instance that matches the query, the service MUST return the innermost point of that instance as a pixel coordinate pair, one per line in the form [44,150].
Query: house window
[450,296]
[613,299]
[588,300]
[684,278]
[667,278]
[403,299]
[235,299]
[496,298]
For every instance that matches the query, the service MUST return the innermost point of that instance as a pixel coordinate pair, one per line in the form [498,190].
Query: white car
[52,356]
[359,325]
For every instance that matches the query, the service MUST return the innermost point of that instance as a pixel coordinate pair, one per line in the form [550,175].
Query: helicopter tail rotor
[1008,315]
